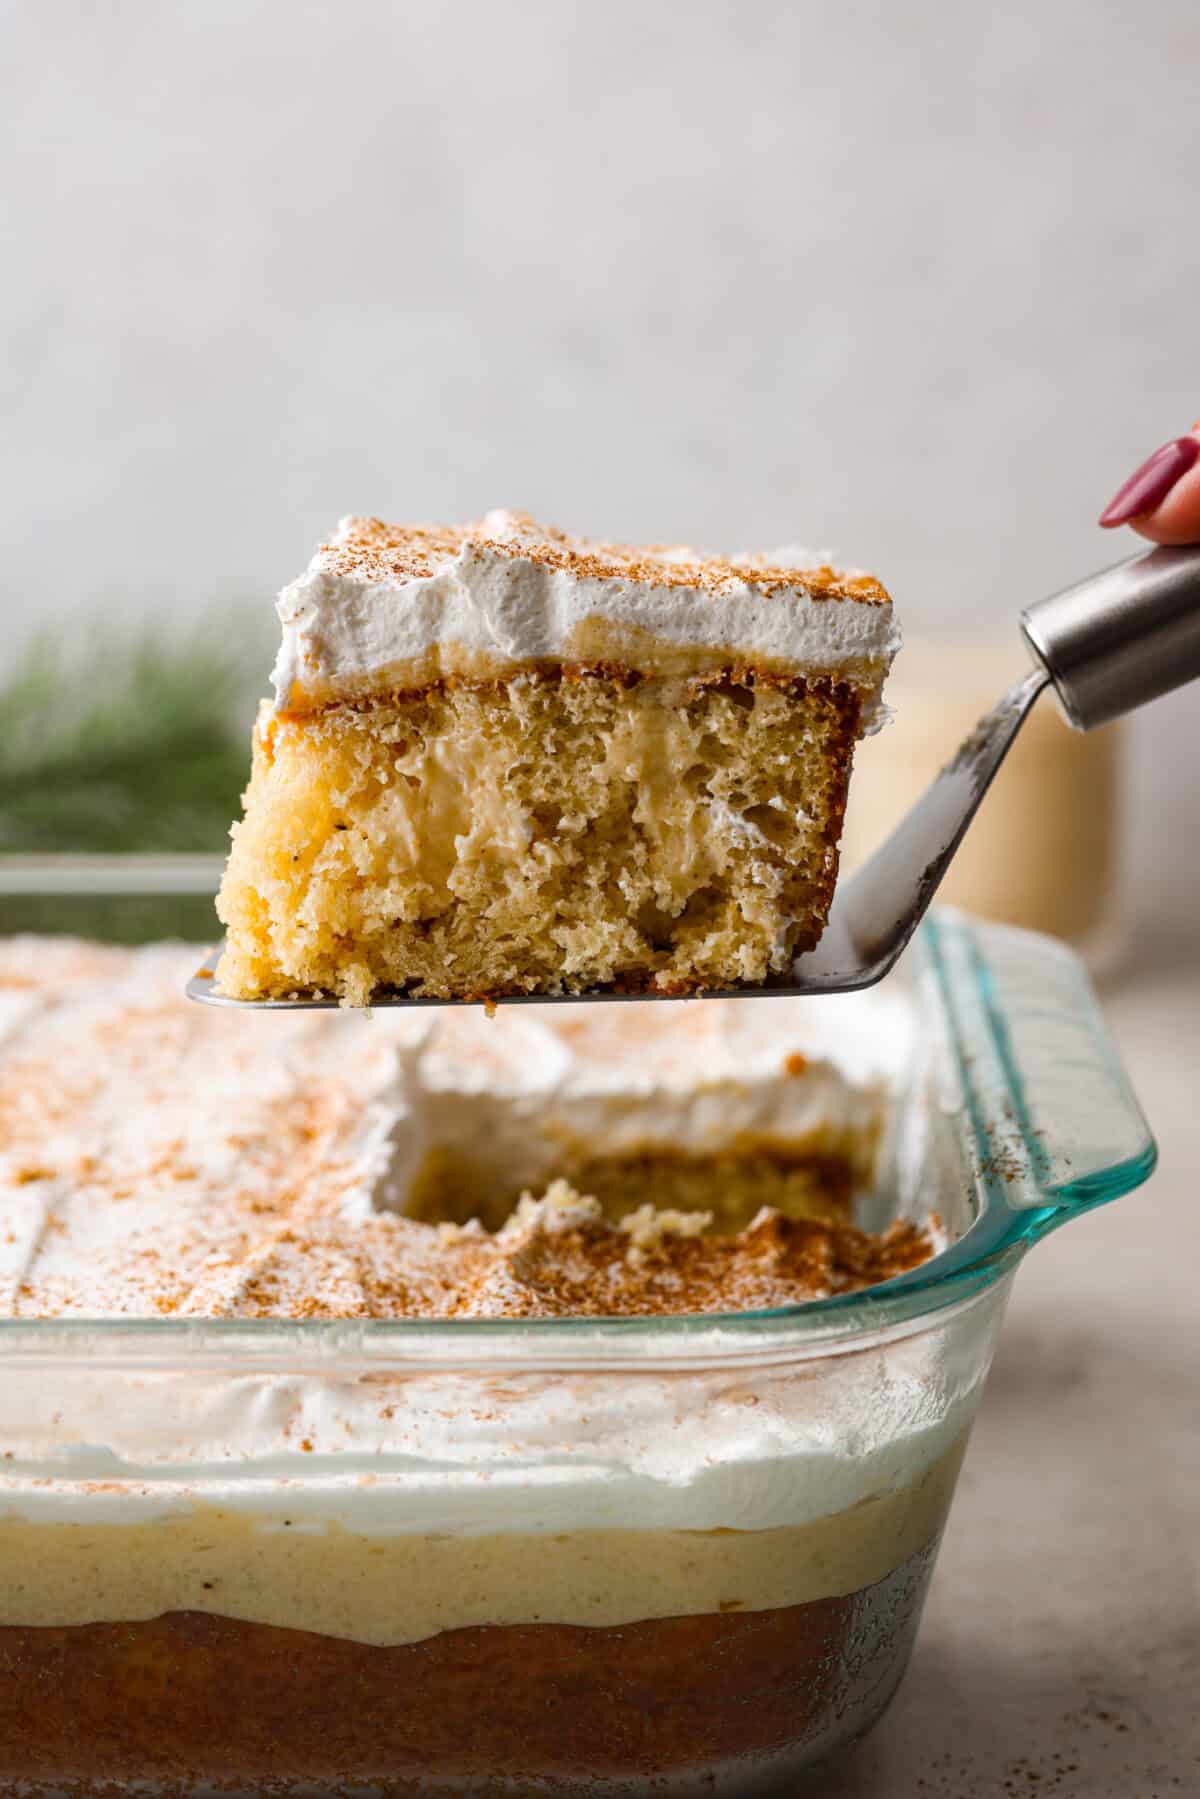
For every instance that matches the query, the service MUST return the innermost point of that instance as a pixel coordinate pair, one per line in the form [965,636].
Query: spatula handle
[1122,637]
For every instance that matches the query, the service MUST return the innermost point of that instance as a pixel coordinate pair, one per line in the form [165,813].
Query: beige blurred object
[1044,850]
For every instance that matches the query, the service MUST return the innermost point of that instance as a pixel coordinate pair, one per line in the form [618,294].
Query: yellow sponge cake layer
[539,834]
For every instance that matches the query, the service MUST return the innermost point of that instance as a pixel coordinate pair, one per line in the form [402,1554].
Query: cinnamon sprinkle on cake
[377,551]
[163,1159]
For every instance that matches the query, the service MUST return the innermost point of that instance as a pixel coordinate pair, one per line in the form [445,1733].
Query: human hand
[1161,499]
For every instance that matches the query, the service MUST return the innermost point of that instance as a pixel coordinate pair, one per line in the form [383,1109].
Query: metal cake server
[1106,645]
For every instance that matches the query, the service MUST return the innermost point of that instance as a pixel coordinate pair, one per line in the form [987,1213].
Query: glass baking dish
[578,1557]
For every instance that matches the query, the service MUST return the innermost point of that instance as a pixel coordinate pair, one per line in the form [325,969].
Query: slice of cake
[503,760]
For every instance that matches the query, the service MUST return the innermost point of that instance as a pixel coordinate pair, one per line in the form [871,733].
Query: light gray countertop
[1060,1653]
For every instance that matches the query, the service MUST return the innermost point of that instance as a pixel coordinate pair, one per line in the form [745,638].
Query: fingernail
[1149,485]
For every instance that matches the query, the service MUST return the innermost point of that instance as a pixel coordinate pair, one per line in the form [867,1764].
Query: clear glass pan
[567,1556]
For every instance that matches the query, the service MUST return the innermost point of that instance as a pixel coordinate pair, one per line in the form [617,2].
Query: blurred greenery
[112,918]
[139,745]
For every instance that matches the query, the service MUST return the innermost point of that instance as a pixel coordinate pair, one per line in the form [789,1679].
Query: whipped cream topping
[423,1450]
[158,1158]
[384,606]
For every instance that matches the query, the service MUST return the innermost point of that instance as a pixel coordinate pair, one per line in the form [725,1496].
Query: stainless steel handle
[1121,637]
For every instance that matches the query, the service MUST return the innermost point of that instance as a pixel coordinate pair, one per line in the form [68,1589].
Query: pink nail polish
[1149,485]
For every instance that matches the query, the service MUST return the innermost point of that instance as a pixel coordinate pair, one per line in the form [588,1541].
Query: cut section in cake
[686,1108]
[502,760]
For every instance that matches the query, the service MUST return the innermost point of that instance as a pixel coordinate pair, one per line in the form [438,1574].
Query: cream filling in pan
[327,1578]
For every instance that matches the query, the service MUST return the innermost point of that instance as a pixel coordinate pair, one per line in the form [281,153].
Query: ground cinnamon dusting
[372,550]
[200,1169]
[562,1259]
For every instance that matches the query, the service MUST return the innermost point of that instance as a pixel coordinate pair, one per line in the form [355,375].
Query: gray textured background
[915,281]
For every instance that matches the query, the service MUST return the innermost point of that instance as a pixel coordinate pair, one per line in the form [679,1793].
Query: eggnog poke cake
[270,1545]
[503,760]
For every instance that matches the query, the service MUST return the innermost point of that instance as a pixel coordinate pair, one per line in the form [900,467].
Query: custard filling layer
[404,1587]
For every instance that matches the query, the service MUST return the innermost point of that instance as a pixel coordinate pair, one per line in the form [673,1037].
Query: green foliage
[113,918]
[142,745]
